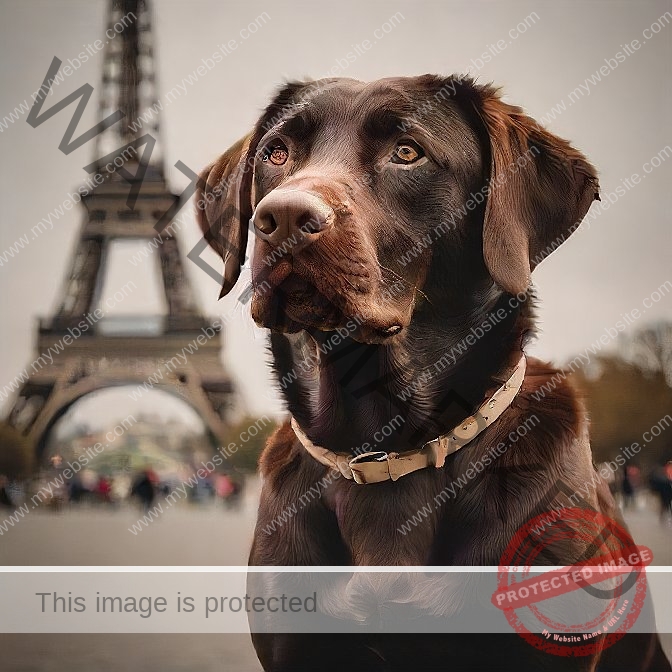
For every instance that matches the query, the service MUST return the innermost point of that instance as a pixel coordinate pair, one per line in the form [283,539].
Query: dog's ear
[224,207]
[540,189]
[224,192]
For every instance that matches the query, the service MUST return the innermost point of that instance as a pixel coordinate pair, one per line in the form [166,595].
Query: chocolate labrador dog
[397,224]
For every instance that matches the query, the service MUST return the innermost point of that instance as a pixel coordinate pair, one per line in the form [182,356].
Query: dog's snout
[294,217]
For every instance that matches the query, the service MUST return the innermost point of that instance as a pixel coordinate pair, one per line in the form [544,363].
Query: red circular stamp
[578,609]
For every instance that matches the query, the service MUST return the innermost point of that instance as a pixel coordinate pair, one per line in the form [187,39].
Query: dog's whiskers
[396,275]
[424,296]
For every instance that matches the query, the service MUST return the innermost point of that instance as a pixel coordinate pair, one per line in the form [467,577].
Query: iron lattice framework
[105,356]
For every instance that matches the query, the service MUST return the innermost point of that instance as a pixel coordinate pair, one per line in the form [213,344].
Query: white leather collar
[378,466]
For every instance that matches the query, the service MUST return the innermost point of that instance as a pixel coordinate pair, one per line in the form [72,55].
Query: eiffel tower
[104,357]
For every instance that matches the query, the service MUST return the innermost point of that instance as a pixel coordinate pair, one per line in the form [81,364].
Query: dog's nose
[292,218]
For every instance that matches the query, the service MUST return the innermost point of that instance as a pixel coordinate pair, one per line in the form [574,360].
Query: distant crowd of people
[228,488]
[147,487]
[630,483]
[50,490]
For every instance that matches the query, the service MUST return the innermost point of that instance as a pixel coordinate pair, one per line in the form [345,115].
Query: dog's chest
[387,523]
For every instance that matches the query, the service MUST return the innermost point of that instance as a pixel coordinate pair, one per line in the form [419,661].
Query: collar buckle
[372,467]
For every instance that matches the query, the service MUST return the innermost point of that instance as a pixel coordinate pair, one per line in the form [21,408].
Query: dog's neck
[353,397]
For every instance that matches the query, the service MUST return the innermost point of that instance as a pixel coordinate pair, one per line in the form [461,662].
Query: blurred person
[121,487]
[202,490]
[16,491]
[223,486]
[666,499]
[89,480]
[230,489]
[144,488]
[104,490]
[628,485]
[59,496]
[76,489]
[152,475]
[5,499]
[661,484]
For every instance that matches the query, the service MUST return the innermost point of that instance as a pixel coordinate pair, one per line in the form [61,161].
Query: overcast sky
[621,123]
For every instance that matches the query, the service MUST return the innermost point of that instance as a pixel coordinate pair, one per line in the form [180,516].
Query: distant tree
[650,349]
[623,402]
[246,454]
[15,454]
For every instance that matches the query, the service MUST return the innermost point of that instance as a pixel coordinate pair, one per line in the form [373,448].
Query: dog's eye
[277,154]
[407,152]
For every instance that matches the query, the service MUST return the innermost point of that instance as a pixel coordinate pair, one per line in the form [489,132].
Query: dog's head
[367,200]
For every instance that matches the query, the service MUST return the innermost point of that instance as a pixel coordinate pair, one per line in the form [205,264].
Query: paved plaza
[188,535]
